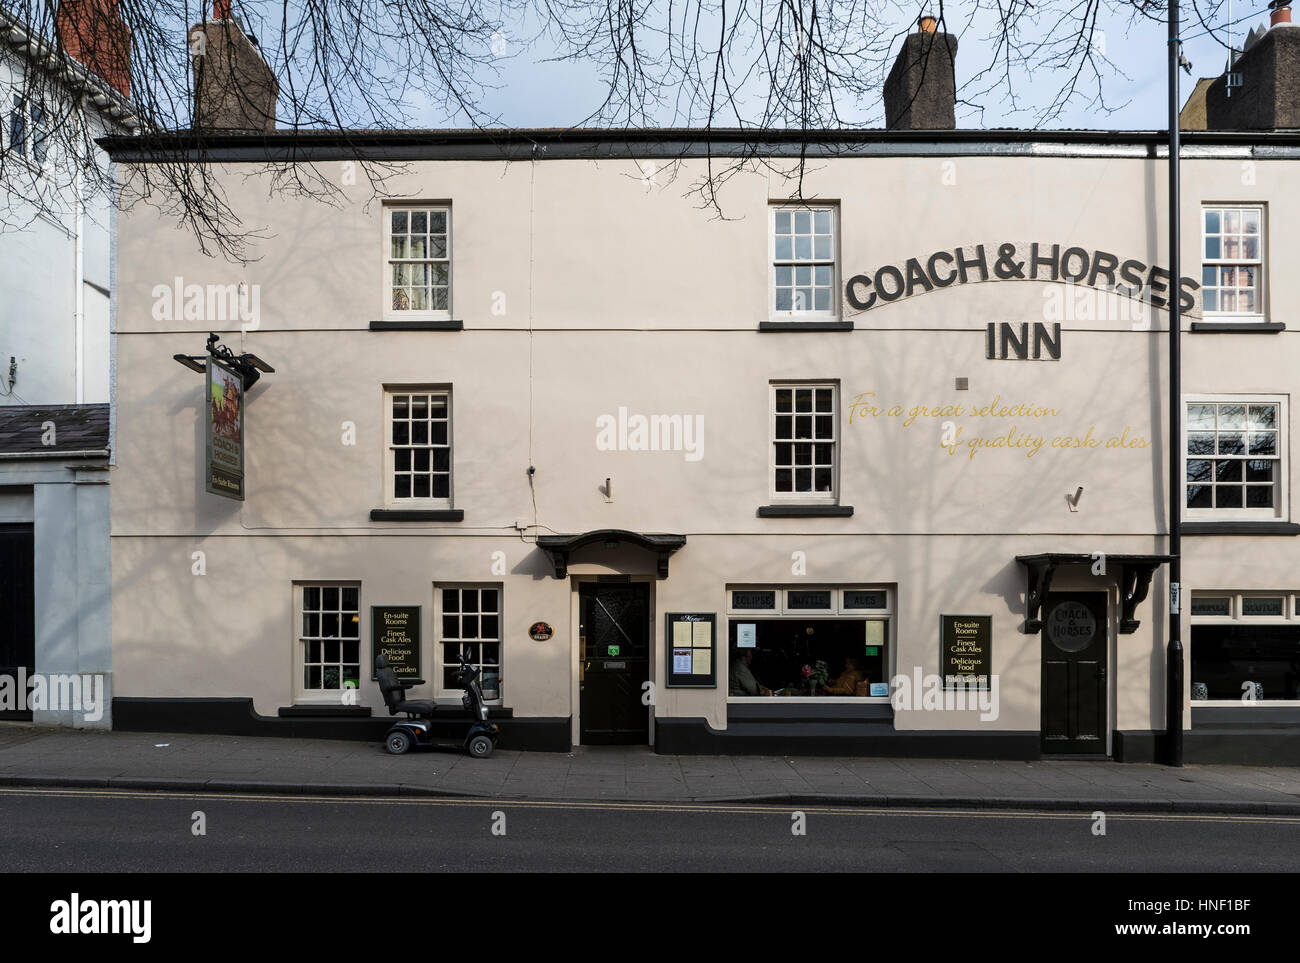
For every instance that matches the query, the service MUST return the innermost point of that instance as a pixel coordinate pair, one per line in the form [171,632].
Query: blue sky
[535,93]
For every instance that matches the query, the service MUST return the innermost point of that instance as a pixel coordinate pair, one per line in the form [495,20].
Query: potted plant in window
[815,675]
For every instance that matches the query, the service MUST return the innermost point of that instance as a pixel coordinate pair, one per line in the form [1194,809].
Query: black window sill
[417,325]
[805,511]
[805,326]
[310,711]
[1237,327]
[417,515]
[1240,528]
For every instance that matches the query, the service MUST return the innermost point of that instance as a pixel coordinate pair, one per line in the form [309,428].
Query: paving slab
[31,755]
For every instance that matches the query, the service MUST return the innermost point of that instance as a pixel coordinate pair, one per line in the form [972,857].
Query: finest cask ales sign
[395,632]
[966,650]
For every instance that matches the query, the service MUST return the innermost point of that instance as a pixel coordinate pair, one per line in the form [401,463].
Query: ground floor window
[469,621]
[329,640]
[1245,647]
[809,642]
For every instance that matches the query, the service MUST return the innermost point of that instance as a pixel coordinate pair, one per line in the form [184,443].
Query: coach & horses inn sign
[1011,262]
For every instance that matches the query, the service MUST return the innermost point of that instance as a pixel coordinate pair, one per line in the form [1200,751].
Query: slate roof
[76,428]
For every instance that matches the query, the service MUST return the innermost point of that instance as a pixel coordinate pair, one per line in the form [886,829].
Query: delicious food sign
[395,632]
[1011,262]
[966,650]
[224,402]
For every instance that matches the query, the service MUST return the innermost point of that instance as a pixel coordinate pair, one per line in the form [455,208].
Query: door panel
[614,639]
[1075,652]
[17,605]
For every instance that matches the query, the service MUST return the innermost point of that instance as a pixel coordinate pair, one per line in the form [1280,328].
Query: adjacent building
[56,378]
[873,463]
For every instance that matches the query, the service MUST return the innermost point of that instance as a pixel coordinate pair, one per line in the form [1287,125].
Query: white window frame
[1281,511]
[833,312]
[1290,615]
[302,694]
[391,500]
[431,314]
[837,612]
[814,497]
[442,694]
[1258,263]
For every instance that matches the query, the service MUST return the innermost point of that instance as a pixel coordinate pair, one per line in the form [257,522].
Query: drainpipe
[1174,650]
[79,335]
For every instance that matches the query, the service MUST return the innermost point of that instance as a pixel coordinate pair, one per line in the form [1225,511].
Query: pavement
[33,756]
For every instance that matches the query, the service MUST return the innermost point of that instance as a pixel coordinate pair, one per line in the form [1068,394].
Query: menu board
[691,639]
[966,650]
[395,631]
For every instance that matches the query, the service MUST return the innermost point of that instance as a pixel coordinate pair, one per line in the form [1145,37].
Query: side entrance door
[17,607]
[614,653]
[1075,655]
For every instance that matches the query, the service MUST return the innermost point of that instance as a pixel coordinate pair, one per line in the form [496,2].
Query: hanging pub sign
[692,650]
[966,651]
[224,461]
[395,632]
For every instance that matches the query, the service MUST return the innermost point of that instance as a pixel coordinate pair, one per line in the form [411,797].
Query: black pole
[1174,655]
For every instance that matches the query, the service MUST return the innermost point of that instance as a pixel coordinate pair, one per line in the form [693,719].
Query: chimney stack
[921,89]
[234,88]
[91,32]
[1261,90]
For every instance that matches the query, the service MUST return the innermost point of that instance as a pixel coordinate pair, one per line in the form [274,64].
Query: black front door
[17,608]
[614,648]
[1075,633]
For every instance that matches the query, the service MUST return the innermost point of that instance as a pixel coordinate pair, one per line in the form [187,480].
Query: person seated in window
[846,683]
[742,679]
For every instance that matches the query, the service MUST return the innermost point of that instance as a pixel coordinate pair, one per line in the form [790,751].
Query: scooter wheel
[480,747]
[398,742]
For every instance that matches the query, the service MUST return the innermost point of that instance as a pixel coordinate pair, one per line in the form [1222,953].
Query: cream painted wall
[637,298]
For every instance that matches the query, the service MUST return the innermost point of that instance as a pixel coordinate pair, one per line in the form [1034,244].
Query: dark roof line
[559,142]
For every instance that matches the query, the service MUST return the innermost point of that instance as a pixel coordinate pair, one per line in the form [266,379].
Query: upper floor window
[418,270]
[804,455]
[1235,464]
[803,262]
[1232,267]
[418,467]
[27,129]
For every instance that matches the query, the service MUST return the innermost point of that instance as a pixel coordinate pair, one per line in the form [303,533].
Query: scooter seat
[416,707]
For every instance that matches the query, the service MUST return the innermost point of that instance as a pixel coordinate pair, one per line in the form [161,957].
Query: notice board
[692,645]
[966,650]
[395,632]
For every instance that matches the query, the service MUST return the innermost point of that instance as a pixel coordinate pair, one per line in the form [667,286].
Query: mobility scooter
[417,728]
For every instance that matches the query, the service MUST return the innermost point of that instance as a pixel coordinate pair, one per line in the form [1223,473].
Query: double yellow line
[644,807]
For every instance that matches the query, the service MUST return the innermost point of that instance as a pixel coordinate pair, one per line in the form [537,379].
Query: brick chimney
[1268,95]
[234,88]
[93,34]
[921,89]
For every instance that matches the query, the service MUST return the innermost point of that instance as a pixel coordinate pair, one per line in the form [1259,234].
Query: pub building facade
[874,464]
